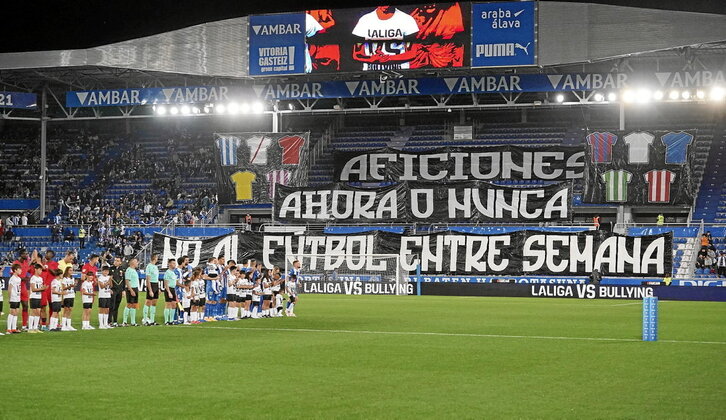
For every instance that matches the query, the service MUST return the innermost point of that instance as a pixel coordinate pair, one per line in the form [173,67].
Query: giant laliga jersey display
[251,165]
[640,167]
[393,38]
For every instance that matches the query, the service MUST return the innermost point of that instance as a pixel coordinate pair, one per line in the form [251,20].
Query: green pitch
[382,356]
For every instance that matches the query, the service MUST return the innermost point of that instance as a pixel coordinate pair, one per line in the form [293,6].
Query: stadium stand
[162,176]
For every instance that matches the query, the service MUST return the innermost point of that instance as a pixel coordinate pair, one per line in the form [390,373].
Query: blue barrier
[363,229]
[201,231]
[687,232]
[716,232]
[484,230]
[31,231]
[19,204]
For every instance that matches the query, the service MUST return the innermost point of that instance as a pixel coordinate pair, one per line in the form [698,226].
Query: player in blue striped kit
[212,277]
[291,288]
[221,309]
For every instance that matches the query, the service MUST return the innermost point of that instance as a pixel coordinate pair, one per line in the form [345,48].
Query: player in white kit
[2,287]
[87,295]
[231,286]
[14,286]
[56,298]
[266,293]
[104,298]
[36,294]
[68,284]
[291,289]
[244,286]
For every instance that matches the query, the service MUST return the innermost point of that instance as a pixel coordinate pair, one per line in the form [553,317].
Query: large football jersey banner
[454,164]
[251,165]
[433,35]
[640,167]
[469,202]
[513,254]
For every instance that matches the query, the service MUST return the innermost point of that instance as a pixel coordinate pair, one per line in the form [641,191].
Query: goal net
[351,273]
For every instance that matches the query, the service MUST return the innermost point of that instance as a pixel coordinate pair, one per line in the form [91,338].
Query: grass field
[383,356]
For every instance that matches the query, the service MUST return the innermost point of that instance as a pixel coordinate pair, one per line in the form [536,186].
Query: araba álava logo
[503,19]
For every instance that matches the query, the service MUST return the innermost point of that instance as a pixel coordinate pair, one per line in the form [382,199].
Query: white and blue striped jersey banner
[228,150]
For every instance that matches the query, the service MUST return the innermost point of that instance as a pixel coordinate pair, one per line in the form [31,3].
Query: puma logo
[523,48]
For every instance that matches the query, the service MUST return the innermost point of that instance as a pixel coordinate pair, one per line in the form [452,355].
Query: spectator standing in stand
[82,237]
[596,222]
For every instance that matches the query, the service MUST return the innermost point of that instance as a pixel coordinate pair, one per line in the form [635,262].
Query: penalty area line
[443,334]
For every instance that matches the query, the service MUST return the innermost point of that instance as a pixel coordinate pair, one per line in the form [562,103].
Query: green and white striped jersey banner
[616,185]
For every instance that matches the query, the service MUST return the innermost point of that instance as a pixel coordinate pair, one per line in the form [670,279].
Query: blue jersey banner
[277,44]
[18,100]
[640,167]
[503,34]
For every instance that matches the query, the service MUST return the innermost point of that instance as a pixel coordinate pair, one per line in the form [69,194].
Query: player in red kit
[49,266]
[90,269]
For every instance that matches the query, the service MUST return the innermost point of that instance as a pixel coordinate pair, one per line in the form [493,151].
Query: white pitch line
[441,334]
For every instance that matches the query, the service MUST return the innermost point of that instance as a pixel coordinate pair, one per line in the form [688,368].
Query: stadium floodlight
[245,108]
[174,110]
[195,110]
[160,110]
[717,94]
[233,108]
[658,95]
[560,98]
[220,108]
[643,96]
[612,96]
[628,95]
[686,94]
[700,94]
[674,95]
[258,108]
[599,97]
[185,110]
[291,106]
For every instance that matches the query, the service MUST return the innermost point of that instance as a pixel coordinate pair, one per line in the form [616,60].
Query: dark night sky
[86,23]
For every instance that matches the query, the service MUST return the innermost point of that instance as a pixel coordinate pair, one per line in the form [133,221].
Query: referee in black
[117,290]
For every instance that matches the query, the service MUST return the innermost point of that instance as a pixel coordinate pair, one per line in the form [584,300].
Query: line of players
[192,295]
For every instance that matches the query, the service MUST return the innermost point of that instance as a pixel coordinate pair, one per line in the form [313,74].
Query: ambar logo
[279,29]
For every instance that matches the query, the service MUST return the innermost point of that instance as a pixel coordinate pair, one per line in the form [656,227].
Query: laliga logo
[499,18]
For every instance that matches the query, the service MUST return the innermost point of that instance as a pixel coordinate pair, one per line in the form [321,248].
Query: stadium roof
[568,33]
[573,38]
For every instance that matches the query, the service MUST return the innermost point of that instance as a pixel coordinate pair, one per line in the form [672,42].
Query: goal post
[352,273]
